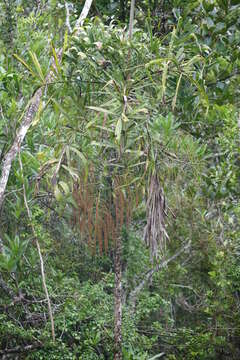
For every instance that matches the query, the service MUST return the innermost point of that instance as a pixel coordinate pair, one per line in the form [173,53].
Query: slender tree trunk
[118,300]
[118,251]
[131,19]
[83,15]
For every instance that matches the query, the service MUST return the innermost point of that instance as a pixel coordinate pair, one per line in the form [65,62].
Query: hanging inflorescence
[101,216]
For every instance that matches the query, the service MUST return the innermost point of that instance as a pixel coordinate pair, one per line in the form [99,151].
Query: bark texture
[83,15]
[21,133]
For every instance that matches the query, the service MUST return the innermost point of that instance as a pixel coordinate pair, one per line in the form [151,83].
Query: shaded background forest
[116,111]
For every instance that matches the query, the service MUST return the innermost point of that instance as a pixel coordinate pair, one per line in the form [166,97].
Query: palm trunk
[118,301]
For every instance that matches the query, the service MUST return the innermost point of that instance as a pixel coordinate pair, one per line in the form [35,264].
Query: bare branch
[40,256]
[134,293]
[83,15]
[68,25]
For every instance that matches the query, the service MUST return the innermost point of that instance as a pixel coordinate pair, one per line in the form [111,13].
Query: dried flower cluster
[100,216]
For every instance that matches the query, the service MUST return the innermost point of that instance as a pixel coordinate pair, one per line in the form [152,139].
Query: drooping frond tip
[155,234]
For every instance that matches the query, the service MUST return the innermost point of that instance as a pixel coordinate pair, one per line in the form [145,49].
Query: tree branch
[68,25]
[134,293]
[83,15]
[30,114]
[20,349]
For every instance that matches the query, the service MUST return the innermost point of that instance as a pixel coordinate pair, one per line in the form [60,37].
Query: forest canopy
[120,179]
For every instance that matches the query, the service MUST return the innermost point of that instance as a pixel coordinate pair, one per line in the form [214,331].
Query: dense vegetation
[127,175]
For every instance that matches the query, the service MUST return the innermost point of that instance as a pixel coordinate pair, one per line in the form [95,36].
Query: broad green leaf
[192,61]
[104,128]
[90,124]
[40,111]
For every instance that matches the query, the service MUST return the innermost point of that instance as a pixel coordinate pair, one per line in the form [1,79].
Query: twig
[39,254]
[186,287]
[133,294]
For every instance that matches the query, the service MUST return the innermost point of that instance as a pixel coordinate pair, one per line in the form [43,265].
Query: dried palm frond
[155,234]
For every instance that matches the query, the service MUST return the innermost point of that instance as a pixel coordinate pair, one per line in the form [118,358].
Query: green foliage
[12,254]
[168,102]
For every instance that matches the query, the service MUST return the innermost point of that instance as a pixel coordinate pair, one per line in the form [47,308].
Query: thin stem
[39,254]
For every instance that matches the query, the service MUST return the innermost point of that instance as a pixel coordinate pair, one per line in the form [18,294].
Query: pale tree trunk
[21,133]
[131,19]
[84,14]
[118,300]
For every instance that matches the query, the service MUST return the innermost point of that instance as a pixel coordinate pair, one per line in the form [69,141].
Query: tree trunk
[118,301]
[131,19]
